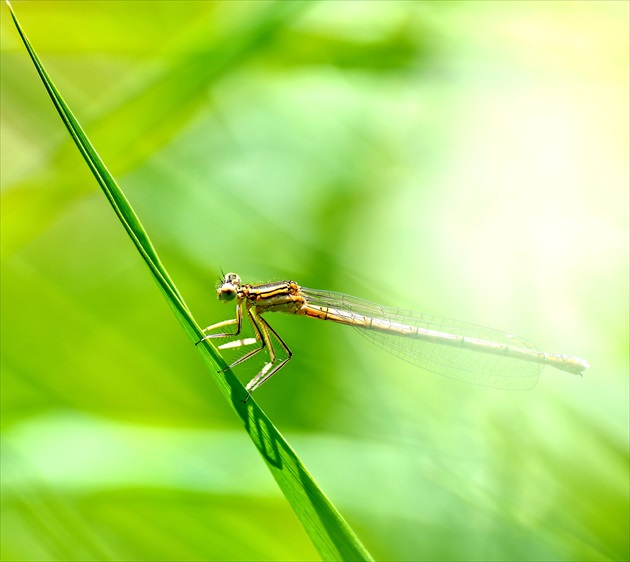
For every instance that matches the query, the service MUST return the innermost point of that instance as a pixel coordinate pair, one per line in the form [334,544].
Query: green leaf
[329,532]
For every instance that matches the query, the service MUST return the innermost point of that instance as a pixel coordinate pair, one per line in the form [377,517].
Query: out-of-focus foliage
[465,159]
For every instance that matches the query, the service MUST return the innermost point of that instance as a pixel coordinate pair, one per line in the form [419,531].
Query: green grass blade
[327,529]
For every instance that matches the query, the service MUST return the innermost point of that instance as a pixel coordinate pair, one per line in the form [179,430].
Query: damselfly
[461,351]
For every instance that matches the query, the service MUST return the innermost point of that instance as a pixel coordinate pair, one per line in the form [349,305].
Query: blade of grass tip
[329,532]
[115,195]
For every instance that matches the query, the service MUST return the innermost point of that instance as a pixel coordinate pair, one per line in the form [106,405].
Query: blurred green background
[466,159]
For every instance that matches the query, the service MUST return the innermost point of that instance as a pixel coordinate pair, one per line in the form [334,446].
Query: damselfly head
[229,287]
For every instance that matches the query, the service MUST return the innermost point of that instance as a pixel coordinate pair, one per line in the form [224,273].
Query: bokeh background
[466,159]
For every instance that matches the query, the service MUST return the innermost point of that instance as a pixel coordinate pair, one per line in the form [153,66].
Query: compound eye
[227,292]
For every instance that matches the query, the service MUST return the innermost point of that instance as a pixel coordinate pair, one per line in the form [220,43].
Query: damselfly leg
[262,330]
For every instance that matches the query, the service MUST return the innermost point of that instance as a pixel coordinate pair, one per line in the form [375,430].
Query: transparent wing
[466,365]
